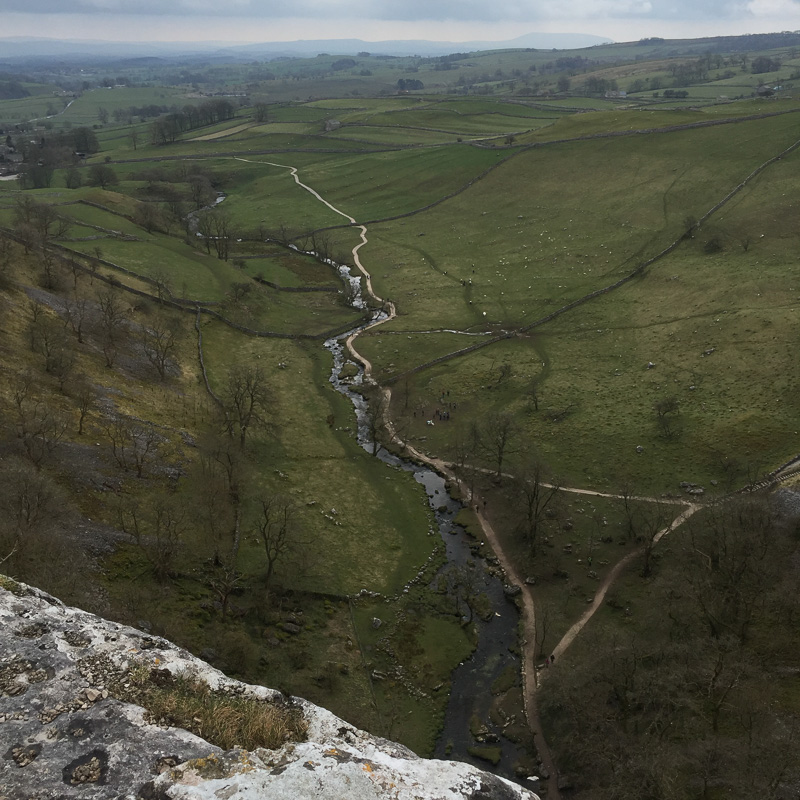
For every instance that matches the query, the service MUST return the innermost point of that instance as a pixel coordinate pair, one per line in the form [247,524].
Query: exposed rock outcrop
[68,728]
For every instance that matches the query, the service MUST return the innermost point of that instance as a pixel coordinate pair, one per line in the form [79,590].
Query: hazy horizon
[253,21]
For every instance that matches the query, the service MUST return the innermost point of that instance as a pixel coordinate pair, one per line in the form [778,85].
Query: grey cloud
[405,10]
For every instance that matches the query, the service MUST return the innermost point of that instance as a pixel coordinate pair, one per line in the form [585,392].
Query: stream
[472,680]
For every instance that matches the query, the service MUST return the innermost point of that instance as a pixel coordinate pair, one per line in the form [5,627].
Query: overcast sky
[373,20]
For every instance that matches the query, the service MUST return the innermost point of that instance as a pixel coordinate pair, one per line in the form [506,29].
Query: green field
[509,208]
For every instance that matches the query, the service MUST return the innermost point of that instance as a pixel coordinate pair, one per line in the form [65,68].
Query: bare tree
[75,315]
[497,439]
[159,340]
[149,217]
[733,543]
[533,392]
[62,363]
[6,250]
[275,527]
[224,581]
[224,233]
[28,235]
[200,190]
[37,315]
[41,332]
[206,230]
[376,418]
[463,583]
[217,230]
[47,336]
[163,283]
[666,410]
[157,528]
[239,290]
[85,396]
[536,495]
[465,448]
[246,396]
[133,446]
[650,521]
[215,510]
[111,322]
[43,218]
[626,493]
[30,506]
[103,176]
[544,618]
[49,278]
[39,428]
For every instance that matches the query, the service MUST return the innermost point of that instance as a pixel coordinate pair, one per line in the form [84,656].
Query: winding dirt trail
[513,576]
[388,307]
[613,574]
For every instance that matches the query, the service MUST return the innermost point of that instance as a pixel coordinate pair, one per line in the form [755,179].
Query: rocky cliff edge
[70,726]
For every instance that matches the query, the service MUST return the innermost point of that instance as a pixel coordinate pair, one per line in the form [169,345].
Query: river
[472,680]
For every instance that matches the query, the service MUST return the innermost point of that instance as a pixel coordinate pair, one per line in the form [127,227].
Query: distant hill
[27,49]
[18,52]
[421,47]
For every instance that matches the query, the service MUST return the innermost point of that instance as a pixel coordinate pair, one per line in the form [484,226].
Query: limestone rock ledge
[63,734]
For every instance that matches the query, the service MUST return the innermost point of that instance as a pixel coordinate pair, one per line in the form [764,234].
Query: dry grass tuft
[223,720]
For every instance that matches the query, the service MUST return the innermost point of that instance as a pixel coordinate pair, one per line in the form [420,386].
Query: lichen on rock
[74,693]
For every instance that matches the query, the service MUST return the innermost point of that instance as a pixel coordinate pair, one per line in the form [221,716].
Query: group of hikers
[442,414]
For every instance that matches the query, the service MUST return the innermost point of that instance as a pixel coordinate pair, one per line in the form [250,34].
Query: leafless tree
[536,491]
[224,581]
[133,446]
[36,313]
[28,235]
[75,315]
[626,491]
[465,449]
[50,275]
[217,230]
[239,290]
[533,393]
[376,418]
[6,250]
[246,396]
[44,331]
[159,340]
[733,543]
[200,190]
[111,323]
[85,396]
[544,618]
[30,506]
[148,216]
[224,233]
[463,583]
[40,428]
[666,410]
[157,528]
[275,527]
[650,520]
[497,437]
[62,364]
[43,218]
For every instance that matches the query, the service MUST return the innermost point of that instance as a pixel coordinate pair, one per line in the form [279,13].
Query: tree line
[166,129]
